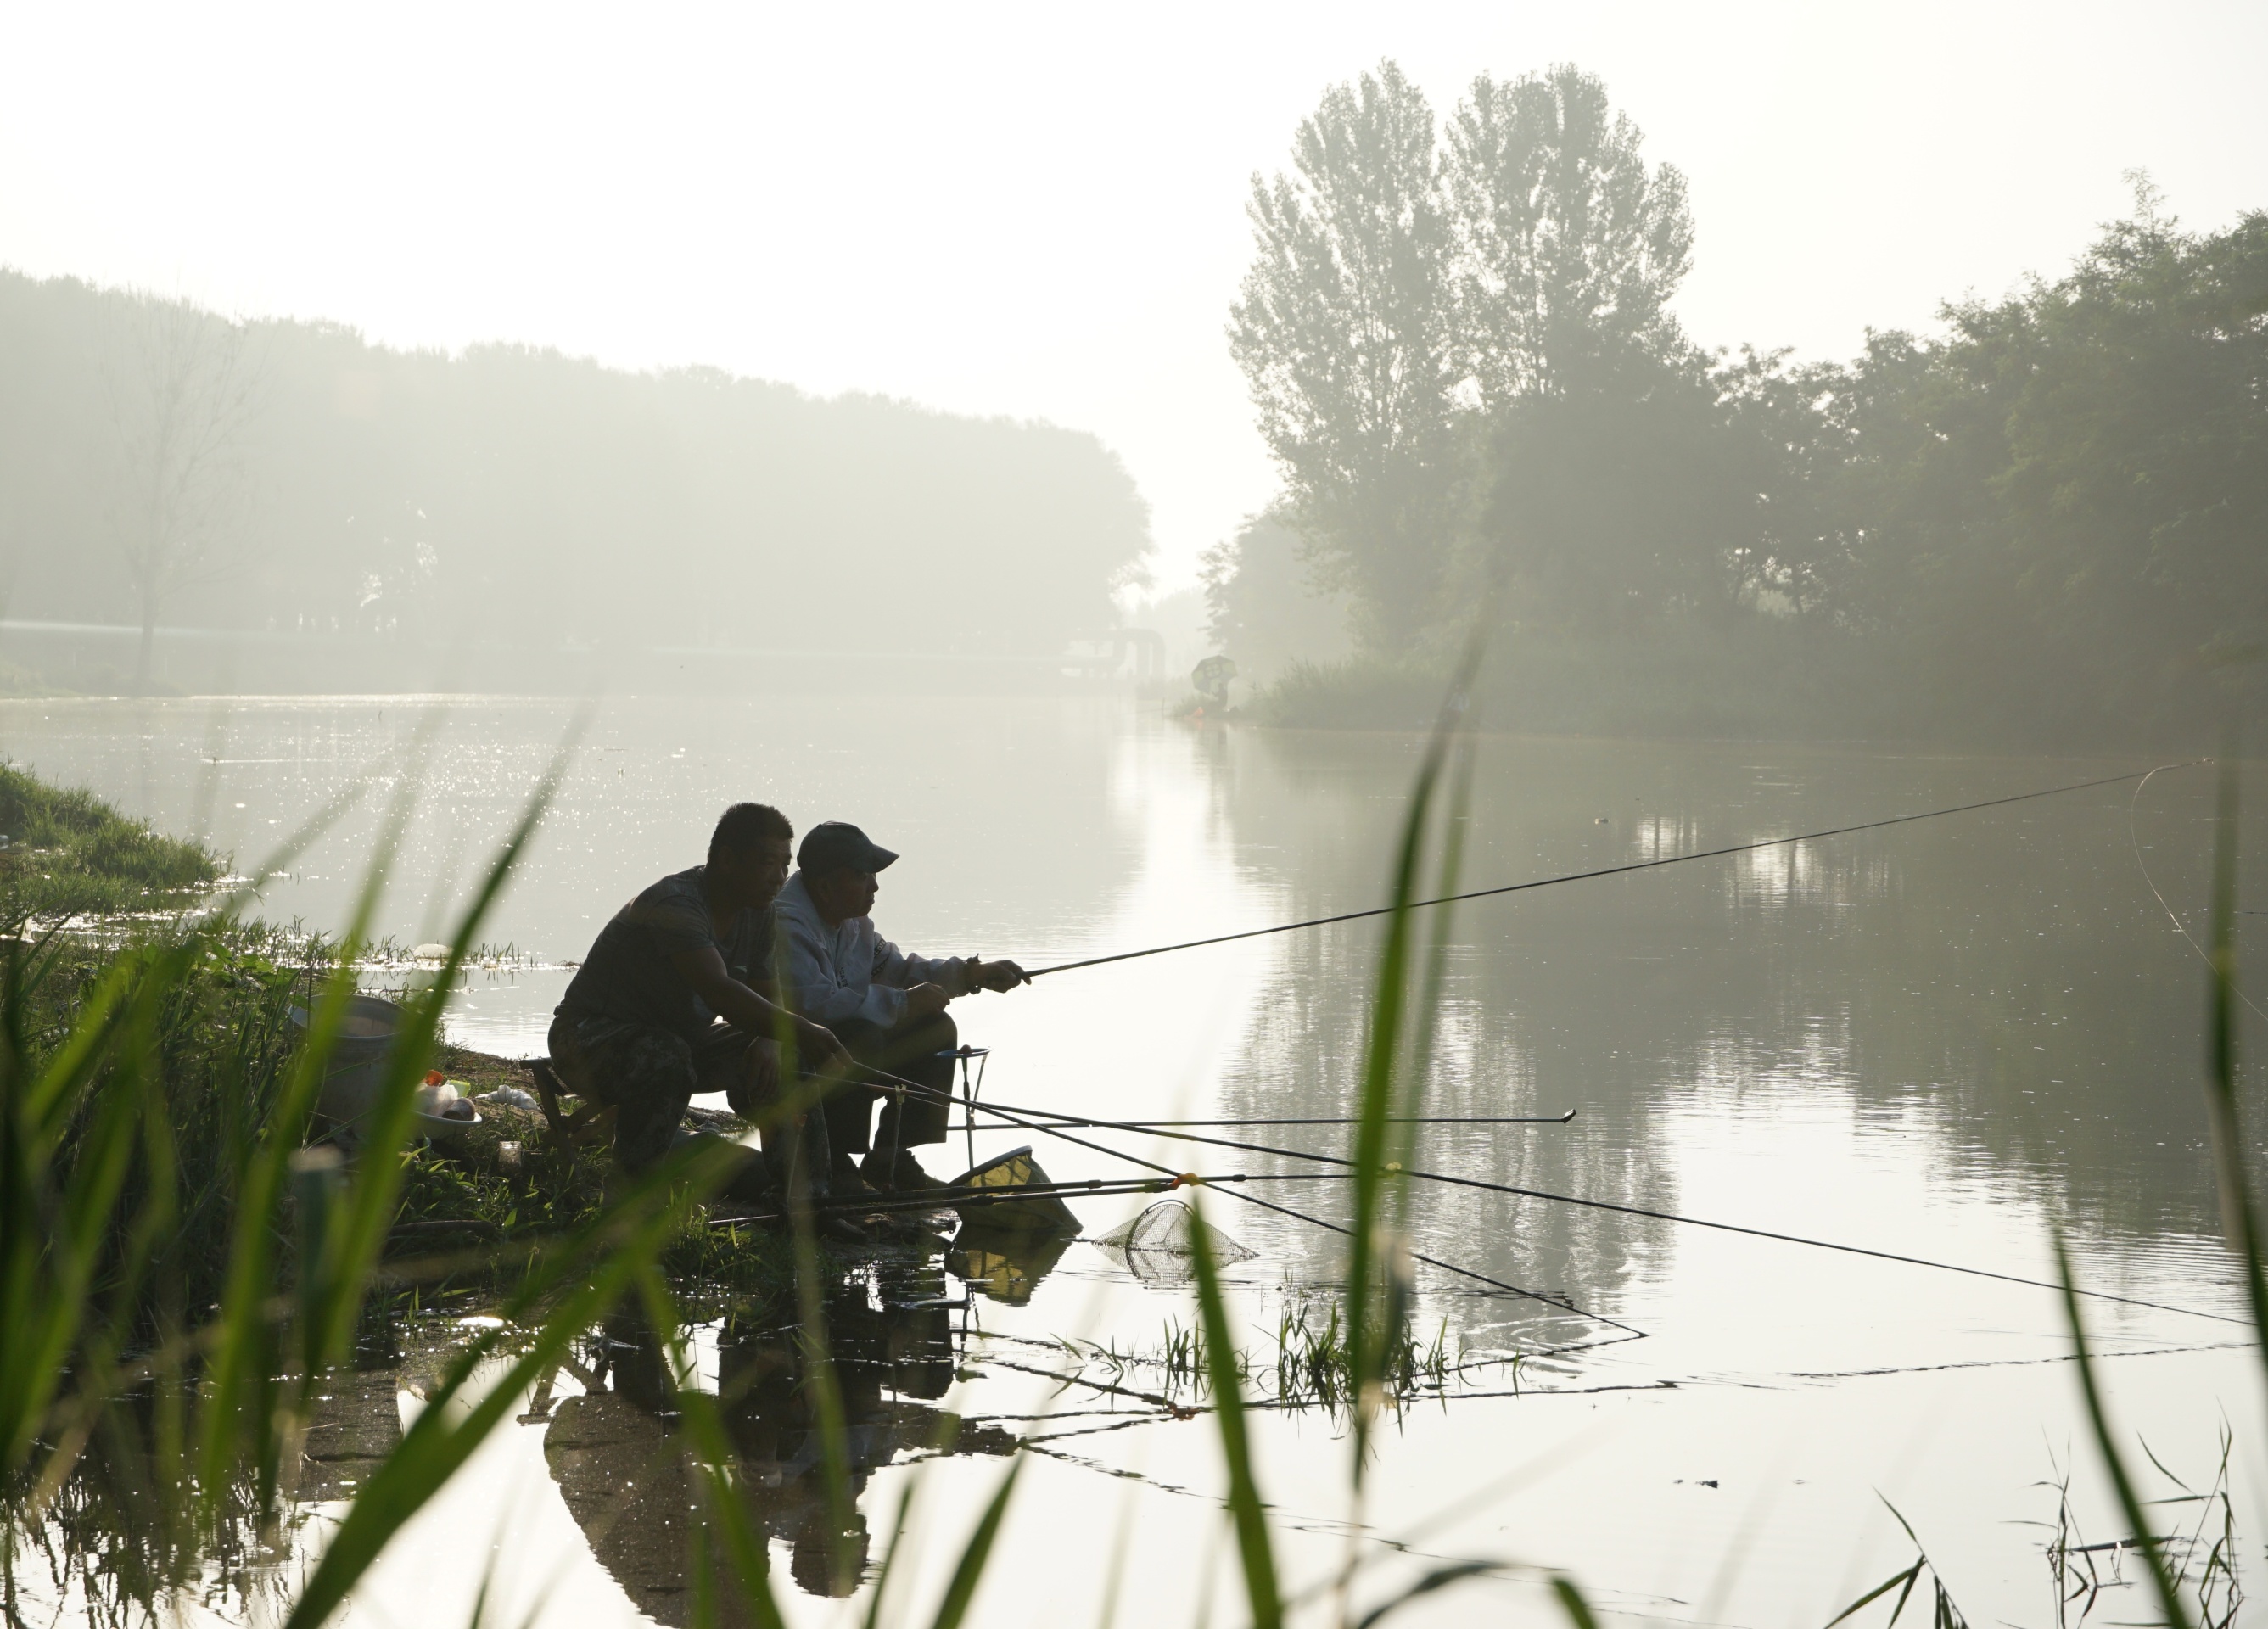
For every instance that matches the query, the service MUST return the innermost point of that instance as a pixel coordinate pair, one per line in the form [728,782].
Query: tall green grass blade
[712,1451]
[2240,1216]
[1367,1338]
[370,1209]
[586,1282]
[2176,1614]
[1440,1578]
[1572,1603]
[819,1380]
[1439,942]
[47,1097]
[1908,1578]
[1121,1544]
[1370,1329]
[880,1592]
[56,1240]
[1251,1515]
[238,1417]
[976,1555]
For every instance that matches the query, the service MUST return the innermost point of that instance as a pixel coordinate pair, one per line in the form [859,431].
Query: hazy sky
[1039,210]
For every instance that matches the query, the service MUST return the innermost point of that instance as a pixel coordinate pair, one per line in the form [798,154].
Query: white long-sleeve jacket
[850,970]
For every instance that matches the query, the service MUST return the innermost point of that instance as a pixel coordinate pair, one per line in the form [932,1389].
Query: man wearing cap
[886,1006]
[673,999]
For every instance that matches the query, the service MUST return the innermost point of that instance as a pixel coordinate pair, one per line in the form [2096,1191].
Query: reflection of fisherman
[624,1478]
[887,1007]
[885,1358]
[640,1025]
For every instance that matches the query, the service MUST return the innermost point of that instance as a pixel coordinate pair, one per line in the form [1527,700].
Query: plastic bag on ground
[509,1097]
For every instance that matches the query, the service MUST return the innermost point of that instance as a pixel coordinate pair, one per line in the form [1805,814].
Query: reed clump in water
[1312,1365]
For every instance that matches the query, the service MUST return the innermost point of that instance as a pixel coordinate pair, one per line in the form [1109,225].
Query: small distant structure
[1210,678]
[1149,648]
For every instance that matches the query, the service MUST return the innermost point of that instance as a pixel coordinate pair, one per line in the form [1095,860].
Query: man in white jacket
[886,1006]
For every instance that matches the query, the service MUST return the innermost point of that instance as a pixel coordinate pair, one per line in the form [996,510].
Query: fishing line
[1007,1112]
[952,1196]
[1507,1119]
[1629,1210]
[1609,871]
[1560,1302]
[2134,838]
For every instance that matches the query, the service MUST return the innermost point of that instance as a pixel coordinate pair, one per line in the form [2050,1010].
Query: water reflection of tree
[1999,987]
[1305,1057]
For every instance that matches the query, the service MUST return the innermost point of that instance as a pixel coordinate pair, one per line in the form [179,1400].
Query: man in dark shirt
[639,1026]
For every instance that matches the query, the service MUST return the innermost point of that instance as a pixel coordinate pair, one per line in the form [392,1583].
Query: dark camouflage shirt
[631,975]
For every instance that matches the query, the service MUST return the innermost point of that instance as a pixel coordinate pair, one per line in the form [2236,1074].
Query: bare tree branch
[185,387]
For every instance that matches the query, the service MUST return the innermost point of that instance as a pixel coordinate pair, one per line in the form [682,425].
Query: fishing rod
[1560,1301]
[961,1197]
[928,1200]
[954,1198]
[1606,1204]
[2134,840]
[1606,871]
[1505,1119]
[1007,1112]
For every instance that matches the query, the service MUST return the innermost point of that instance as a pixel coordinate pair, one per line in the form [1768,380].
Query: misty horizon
[778,199]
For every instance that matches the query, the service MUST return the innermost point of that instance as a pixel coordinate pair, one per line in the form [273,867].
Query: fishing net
[1155,1247]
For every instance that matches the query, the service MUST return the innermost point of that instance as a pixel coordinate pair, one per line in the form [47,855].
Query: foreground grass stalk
[967,1571]
[577,1291]
[1378,1263]
[1254,1548]
[712,1453]
[2240,1214]
[242,1416]
[2174,1613]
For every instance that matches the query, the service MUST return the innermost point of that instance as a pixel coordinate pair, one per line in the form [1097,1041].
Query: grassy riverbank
[1784,682]
[220,1047]
[69,853]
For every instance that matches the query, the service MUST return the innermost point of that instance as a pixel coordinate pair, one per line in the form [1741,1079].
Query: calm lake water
[1942,1039]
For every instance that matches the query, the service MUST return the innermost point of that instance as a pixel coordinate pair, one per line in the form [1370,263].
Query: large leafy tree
[1622,474]
[2059,508]
[1525,273]
[1568,246]
[1342,329]
[1676,490]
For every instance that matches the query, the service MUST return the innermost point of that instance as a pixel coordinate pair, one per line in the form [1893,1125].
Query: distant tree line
[162,464]
[2048,521]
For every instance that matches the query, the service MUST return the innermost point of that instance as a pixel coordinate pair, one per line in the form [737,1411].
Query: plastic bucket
[364,1036]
